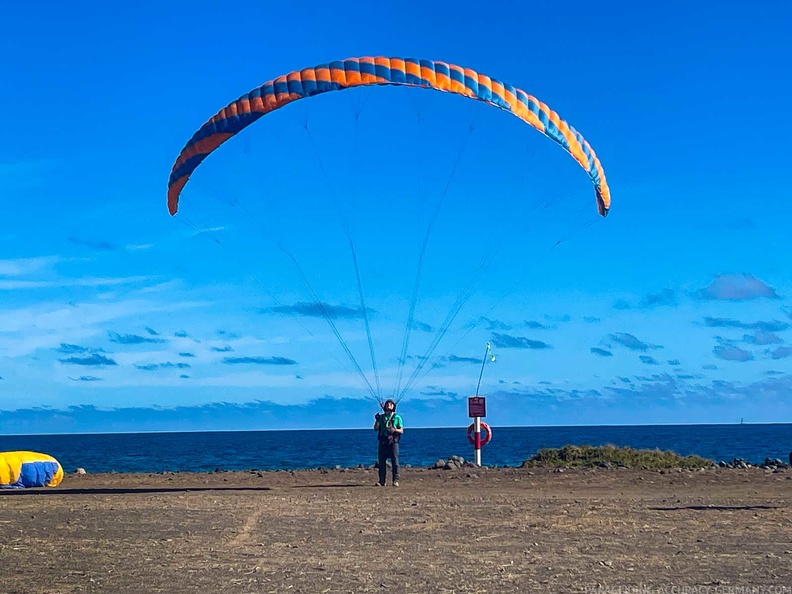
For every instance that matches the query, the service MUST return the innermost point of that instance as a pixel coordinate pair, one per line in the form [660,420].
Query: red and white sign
[477,406]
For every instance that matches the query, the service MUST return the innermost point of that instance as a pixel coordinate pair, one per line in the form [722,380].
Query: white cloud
[26,266]
[12,285]
[738,287]
[207,230]
[161,287]
[47,326]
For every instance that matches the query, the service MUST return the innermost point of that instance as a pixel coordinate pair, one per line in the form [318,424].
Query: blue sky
[116,316]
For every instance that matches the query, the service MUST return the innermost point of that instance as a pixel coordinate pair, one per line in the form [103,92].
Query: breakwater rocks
[457,462]
[453,463]
[768,464]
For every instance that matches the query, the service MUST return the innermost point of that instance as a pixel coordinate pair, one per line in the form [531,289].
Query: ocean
[291,450]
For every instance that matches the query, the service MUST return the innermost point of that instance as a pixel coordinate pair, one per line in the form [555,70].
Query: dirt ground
[468,530]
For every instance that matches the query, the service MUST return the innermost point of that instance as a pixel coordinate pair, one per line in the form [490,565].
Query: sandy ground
[468,530]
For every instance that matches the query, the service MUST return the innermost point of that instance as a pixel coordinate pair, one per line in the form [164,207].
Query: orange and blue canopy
[356,72]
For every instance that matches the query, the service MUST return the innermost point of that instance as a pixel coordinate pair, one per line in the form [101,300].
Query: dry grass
[586,456]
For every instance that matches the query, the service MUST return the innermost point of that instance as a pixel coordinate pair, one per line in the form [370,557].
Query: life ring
[485,429]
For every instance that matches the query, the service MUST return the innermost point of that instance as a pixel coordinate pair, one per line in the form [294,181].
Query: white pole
[477,439]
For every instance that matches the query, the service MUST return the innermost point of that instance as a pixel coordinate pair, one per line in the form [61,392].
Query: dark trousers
[386,450]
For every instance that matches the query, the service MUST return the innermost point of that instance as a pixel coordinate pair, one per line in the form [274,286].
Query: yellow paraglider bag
[21,470]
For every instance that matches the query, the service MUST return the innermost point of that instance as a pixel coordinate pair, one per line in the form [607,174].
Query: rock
[770,464]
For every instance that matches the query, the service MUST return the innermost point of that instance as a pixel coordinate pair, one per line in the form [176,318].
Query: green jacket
[385,422]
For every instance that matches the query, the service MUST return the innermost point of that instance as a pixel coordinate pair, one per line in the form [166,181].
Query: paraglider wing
[355,72]
[21,470]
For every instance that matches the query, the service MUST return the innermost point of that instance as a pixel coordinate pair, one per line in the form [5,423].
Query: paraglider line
[353,249]
[463,298]
[503,296]
[314,296]
[258,281]
[430,226]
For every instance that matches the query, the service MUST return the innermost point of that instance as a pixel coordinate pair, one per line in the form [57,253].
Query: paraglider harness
[386,422]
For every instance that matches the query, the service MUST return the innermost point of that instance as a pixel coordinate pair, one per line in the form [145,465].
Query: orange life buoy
[485,429]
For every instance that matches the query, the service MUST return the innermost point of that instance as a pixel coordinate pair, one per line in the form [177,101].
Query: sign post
[477,408]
